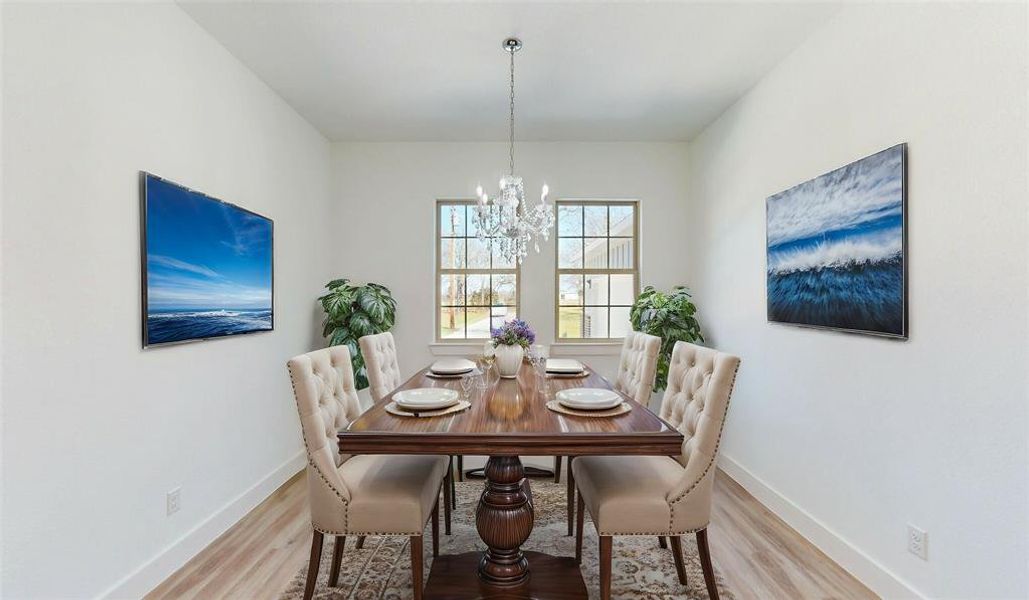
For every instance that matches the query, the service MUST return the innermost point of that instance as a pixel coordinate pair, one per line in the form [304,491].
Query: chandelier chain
[511,144]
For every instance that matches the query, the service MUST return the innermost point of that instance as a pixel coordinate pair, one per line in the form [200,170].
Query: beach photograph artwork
[208,266]
[835,248]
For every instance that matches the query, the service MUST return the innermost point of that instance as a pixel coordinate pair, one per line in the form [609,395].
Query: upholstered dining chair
[383,369]
[637,367]
[661,495]
[364,494]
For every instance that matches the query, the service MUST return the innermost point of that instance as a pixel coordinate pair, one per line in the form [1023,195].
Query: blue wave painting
[208,266]
[836,248]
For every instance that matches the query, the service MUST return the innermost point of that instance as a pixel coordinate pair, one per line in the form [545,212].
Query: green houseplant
[353,311]
[671,317]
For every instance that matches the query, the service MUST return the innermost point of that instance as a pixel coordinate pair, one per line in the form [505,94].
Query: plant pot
[509,360]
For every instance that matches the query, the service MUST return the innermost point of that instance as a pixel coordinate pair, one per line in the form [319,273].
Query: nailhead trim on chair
[420,533]
[310,462]
[653,533]
[714,455]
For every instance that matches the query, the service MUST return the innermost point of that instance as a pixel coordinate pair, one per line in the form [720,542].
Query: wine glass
[467,384]
[489,356]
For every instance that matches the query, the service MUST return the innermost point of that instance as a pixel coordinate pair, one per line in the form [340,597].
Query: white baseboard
[863,567]
[151,573]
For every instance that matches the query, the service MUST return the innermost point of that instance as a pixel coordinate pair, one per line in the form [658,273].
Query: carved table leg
[504,520]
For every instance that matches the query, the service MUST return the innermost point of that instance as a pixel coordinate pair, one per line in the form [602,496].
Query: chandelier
[506,223]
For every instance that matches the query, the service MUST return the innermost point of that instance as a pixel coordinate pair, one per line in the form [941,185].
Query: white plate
[563,365]
[589,398]
[426,398]
[451,366]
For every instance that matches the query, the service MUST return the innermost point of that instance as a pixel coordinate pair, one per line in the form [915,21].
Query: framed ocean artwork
[836,248]
[207,266]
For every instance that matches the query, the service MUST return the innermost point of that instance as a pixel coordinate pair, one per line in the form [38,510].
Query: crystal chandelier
[506,223]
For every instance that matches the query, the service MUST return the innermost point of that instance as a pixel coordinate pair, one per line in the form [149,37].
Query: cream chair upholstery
[637,367]
[359,495]
[380,360]
[665,496]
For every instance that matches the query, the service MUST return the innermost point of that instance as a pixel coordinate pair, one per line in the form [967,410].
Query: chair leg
[460,468]
[416,566]
[557,469]
[360,542]
[435,528]
[312,567]
[705,564]
[662,541]
[447,498]
[452,486]
[605,567]
[580,518]
[337,558]
[570,499]
[680,568]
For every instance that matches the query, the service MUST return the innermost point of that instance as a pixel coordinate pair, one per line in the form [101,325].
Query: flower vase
[509,360]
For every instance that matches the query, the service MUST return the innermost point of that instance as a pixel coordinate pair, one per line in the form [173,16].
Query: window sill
[456,348]
[585,348]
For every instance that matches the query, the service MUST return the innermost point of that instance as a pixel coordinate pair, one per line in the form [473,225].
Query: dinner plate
[426,398]
[452,366]
[564,365]
[589,398]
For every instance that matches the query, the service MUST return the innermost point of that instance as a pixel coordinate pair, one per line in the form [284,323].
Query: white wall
[96,430]
[385,196]
[853,437]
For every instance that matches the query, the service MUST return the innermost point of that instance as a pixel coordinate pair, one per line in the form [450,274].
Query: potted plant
[511,339]
[670,317]
[354,311]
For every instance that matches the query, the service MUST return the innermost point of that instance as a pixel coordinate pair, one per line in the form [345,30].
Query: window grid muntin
[584,271]
[442,271]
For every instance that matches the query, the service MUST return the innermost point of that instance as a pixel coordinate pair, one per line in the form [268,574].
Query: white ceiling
[435,71]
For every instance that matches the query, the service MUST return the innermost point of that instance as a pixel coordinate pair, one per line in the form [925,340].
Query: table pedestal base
[453,577]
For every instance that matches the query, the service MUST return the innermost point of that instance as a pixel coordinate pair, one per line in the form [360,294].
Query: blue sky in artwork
[204,254]
[853,215]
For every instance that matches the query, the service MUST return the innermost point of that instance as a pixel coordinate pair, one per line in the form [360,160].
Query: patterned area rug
[382,569]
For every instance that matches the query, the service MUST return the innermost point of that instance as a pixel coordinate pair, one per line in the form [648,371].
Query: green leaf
[372,303]
[361,325]
[668,316]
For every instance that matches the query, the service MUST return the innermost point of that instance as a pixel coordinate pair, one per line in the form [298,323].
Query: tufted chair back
[700,382]
[323,385]
[380,359]
[637,366]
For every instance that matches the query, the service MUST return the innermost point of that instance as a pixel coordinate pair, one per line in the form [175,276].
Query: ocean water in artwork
[171,325]
[209,266]
[836,248]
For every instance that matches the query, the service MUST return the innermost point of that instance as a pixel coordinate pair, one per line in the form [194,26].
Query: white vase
[509,360]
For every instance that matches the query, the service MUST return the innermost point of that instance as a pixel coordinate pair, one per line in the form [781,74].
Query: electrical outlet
[174,501]
[918,542]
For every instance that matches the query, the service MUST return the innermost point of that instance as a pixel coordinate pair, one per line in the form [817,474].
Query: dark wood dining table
[508,420]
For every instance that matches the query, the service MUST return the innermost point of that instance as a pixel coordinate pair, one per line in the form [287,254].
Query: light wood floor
[758,554]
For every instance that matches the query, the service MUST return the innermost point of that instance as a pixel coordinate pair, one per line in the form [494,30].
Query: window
[597,268]
[475,289]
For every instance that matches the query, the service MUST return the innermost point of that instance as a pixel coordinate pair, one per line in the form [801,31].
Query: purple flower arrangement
[515,332]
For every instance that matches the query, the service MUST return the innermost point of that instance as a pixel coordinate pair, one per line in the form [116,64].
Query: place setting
[426,402]
[589,402]
[565,368]
[450,368]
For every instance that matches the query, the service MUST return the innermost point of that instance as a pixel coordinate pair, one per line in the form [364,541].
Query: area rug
[382,569]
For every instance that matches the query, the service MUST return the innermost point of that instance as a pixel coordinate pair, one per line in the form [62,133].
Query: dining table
[507,420]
